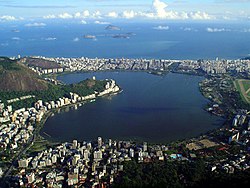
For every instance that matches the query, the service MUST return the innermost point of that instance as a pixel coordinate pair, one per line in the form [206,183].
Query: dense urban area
[219,157]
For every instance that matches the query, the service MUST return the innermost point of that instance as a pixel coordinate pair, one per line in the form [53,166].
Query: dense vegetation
[7,64]
[54,92]
[16,80]
[177,174]
[15,76]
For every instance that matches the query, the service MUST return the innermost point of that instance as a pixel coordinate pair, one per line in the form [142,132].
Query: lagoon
[151,108]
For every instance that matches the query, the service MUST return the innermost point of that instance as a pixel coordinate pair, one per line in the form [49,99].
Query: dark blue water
[174,43]
[151,108]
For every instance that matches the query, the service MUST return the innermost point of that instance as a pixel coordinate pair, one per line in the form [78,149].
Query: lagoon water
[150,108]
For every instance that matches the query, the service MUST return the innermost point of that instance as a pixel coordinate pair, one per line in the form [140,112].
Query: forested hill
[17,77]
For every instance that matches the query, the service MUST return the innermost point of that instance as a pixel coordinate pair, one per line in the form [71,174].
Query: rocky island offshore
[218,156]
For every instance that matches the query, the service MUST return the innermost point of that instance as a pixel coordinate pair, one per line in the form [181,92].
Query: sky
[13,10]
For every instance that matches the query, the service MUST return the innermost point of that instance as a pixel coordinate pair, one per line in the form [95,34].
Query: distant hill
[112,27]
[41,63]
[246,58]
[15,76]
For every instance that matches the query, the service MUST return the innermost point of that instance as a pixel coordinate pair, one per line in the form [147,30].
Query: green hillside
[17,77]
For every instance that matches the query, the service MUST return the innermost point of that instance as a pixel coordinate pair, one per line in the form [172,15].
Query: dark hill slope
[17,77]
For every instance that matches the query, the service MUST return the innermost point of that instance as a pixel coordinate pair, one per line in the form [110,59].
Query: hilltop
[15,76]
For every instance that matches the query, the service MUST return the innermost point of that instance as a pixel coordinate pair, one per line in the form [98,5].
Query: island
[89,36]
[112,28]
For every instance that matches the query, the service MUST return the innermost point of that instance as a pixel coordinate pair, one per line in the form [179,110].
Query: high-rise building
[97,155]
[145,146]
[74,146]
[131,152]
[99,141]
[110,142]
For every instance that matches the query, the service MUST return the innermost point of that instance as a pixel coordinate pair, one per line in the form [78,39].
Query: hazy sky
[12,10]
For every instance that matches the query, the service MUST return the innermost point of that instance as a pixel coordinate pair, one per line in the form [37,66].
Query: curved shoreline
[204,107]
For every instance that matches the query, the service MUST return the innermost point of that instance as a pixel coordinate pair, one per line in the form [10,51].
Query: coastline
[52,111]
[203,108]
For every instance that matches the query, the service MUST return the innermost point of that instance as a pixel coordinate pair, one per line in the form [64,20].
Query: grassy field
[243,86]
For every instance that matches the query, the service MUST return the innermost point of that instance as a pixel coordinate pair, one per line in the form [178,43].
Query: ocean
[160,40]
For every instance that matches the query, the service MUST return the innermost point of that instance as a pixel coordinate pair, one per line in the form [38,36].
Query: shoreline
[52,111]
[224,119]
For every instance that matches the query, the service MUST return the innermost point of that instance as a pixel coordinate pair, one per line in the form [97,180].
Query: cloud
[97,14]
[129,14]
[76,39]
[50,38]
[65,16]
[214,30]
[86,13]
[112,15]
[246,30]
[161,27]
[188,29]
[35,24]
[4,44]
[159,10]
[83,22]
[16,38]
[199,16]
[78,15]
[102,23]
[51,16]
[8,18]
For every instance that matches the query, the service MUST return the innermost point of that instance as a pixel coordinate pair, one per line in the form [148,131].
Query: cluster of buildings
[91,164]
[41,71]
[17,126]
[18,130]
[238,162]
[96,64]
[240,131]
[99,64]
[216,66]
[99,163]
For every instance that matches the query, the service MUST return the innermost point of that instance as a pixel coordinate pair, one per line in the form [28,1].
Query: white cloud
[159,10]
[51,16]
[76,39]
[35,24]
[214,30]
[102,23]
[5,44]
[97,14]
[161,27]
[50,38]
[129,14]
[78,15]
[8,18]
[16,38]
[188,29]
[112,14]
[83,22]
[199,16]
[65,16]
[86,13]
[246,30]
